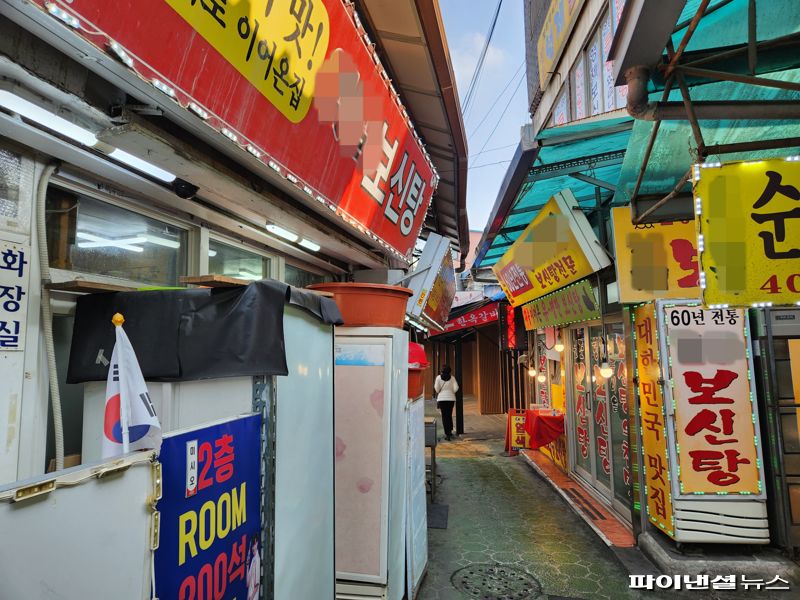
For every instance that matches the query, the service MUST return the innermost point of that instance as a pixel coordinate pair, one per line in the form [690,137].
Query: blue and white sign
[210,543]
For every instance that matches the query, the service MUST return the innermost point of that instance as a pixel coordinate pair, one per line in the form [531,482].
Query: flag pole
[124,408]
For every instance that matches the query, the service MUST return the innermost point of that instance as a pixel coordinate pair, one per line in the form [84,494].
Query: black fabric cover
[183,335]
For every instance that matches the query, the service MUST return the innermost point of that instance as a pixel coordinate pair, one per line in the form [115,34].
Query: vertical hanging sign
[14,277]
[711,386]
[652,419]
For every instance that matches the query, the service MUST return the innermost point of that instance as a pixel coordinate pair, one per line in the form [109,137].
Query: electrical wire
[473,84]
[502,114]
[496,100]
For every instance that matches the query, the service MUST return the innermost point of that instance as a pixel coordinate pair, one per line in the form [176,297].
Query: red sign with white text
[474,318]
[294,82]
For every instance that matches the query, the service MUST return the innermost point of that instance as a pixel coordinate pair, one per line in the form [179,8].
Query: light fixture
[532,372]
[281,232]
[559,345]
[142,165]
[308,244]
[95,241]
[605,370]
[160,241]
[249,275]
[45,118]
[212,253]
[62,15]
[541,378]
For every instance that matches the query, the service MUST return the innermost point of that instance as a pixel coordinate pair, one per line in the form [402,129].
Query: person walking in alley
[446,387]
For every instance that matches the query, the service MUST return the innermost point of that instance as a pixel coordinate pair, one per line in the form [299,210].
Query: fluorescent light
[281,232]
[142,165]
[45,118]
[249,276]
[212,253]
[154,239]
[95,241]
[313,246]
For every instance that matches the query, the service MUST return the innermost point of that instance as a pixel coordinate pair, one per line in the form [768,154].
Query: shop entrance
[598,408]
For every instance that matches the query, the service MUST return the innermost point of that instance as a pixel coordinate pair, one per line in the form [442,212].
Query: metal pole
[676,190]
[460,392]
[752,39]
[749,79]
[687,102]
[687,36]
[752,146]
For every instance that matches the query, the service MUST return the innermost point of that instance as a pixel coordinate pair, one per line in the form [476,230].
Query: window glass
[236,262]
[301,278]
[91,236]
[595,80]
[579,87]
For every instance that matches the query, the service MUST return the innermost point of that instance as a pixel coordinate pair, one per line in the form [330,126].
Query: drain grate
[493,581]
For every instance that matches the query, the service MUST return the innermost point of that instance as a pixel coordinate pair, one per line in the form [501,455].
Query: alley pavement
[510,536]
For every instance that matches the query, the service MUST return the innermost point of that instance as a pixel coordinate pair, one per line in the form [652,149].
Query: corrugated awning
[582,157]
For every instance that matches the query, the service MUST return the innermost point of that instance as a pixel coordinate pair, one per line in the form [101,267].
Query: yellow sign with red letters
[655,260]
[557,248]
[655,455]
[748,220]
[278,45]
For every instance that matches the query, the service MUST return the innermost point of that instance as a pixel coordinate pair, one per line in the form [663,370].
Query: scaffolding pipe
[675,191]
[687,36]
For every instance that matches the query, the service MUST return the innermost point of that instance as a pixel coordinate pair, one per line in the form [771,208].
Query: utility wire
[496,100]
[471,156]
[473,84]
[502,114]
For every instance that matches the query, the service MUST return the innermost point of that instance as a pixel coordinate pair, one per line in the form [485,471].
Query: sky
[492,134]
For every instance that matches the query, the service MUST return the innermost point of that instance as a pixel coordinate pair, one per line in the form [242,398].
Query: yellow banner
[651,410]
[555,31]
[715,420]
[657,260]
[519,437]
[550,254]
[750,223]
[278,45]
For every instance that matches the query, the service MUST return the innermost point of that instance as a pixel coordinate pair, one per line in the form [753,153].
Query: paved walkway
[510,536]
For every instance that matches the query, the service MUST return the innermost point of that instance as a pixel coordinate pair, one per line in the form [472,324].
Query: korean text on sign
[749,217]
[278,45]
[210,512]
[652,417]
[715,423]
[14,277]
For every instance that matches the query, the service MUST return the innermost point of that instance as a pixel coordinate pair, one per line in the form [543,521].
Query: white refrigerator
[371,461]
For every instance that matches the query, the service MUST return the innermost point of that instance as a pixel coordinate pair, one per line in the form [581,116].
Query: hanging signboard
[474,318]
[715,419]
[574,303]
[557,26]
[433,283]
[655,260]
[211,512]
[556,249]
[652,418]
[14,277]
[270,76]
[748,218]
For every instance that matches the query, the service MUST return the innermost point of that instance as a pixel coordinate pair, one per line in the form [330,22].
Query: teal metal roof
[592,148]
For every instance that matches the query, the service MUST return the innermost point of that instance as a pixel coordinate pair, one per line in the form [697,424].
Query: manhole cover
[492,581]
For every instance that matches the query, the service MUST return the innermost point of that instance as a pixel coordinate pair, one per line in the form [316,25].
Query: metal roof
[582,156]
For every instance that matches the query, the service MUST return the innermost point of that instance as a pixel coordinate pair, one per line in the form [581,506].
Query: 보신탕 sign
[655,260]
[556,249]
[715,420]
[655,450]
[211,512]
[294,83]
[750,226]
[576,302]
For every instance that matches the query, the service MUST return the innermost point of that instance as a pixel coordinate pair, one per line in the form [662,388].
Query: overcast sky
[492,134]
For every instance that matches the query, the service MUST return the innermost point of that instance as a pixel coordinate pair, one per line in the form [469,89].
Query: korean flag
[130,421]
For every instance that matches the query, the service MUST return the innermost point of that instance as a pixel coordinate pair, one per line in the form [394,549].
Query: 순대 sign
[210,544]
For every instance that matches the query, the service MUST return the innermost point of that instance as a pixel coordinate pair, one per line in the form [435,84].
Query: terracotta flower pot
[368,304]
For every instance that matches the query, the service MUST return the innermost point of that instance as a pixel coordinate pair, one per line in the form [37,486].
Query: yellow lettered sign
[655,260]
[749,220]
[556,249]
[278,45]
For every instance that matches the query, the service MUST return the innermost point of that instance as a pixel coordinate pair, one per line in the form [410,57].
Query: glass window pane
[582,411]
[236,262]
[91,236]
[301,278]
[600,418]
[618,401]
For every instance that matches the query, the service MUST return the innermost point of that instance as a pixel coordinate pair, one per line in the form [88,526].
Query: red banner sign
[293,82]
[474,318]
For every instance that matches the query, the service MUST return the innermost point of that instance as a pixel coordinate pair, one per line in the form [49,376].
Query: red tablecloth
[543,427]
